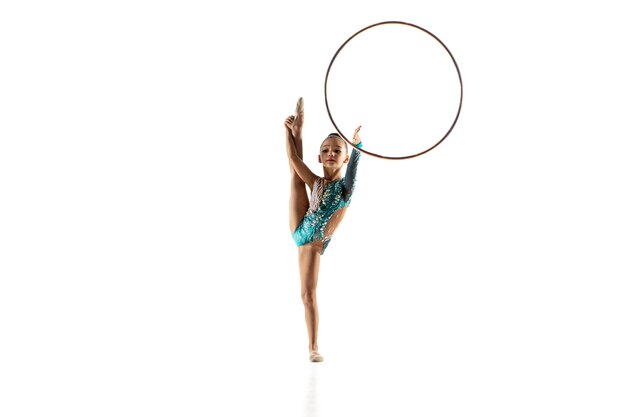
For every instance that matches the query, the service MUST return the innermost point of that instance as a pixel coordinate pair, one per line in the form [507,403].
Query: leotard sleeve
[350,178]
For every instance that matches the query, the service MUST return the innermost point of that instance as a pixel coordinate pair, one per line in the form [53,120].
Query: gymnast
[312,223]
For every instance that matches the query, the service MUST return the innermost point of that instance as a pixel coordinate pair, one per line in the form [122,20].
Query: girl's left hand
[355,138]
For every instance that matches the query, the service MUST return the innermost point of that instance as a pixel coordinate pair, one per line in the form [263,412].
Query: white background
[146,266]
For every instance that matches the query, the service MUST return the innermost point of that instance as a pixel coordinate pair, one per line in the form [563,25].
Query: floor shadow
[311,393]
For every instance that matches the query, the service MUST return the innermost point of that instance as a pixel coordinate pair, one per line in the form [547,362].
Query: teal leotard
[326,201]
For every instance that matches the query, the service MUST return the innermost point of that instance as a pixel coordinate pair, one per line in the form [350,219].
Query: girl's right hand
[289,123]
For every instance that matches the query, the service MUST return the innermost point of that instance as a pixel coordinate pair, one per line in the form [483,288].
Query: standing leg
[309,257]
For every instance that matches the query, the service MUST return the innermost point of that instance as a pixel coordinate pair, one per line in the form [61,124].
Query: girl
[313,223]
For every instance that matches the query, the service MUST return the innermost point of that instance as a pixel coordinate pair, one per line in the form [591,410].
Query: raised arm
[353,163]
[296,162]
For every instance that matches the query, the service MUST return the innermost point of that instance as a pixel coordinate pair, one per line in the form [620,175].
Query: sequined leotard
[327,206]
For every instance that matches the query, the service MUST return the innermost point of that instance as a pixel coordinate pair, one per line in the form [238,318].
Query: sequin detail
[326,201]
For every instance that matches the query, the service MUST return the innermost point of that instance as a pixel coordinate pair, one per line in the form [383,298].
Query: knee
[309,298]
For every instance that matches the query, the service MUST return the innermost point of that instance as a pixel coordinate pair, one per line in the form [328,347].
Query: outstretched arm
[353,163]
[296,162]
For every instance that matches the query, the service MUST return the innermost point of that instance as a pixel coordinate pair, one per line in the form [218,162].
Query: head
[333,151]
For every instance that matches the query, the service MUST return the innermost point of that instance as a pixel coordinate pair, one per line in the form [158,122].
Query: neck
[332,174]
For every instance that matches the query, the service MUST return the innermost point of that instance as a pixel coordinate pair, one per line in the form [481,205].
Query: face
[333,152]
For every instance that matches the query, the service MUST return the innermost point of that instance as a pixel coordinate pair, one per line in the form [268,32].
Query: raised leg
[299,199]
[298,123]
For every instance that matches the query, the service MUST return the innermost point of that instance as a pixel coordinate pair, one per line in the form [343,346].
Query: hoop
[337,54]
